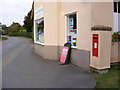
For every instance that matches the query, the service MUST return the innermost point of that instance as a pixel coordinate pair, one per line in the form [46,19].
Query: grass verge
[110,79]
[3,38]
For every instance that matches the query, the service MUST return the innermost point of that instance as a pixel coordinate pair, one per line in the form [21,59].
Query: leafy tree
[14,27]
[4,27]
[28,22]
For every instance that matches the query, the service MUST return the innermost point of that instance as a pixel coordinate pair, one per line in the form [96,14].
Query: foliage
[28,22]
[3,38]
[14,27]
[110,79]
[116,37]
[23,30]
[21,34]
[5,28]
[33,34]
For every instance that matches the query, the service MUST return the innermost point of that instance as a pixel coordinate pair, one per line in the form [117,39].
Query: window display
[40,30]
[72,29]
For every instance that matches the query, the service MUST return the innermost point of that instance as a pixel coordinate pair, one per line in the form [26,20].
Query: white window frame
[35,32]
[67,26]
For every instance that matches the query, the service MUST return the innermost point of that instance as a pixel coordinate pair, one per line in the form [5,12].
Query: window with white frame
[116,7]
[39,24]
[72,29]
[116,16]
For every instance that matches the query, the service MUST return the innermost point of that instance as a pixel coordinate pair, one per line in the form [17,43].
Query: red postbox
[95,45]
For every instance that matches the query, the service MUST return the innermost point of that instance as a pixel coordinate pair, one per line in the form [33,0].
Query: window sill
[74,47]
[39,43]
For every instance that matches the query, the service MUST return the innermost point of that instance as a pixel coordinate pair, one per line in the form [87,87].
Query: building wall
[55,32]
[83,23]
[80,55]
[102,13]
[51,23]
[105,49]
[115,57]
[37,4]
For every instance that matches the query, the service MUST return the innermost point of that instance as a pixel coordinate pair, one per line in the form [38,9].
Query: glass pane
[119,7]
[40,30]
[115,6]
[72,31]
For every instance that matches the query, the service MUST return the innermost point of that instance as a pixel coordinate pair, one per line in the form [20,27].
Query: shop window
[39,30]
[72,29]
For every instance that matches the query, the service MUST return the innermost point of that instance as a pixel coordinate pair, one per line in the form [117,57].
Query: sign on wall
[38,13]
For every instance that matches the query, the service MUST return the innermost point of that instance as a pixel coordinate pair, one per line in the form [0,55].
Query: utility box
[101,47]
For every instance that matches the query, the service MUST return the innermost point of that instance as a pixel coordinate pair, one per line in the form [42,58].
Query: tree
[28,22]
[14,27]
[4,27]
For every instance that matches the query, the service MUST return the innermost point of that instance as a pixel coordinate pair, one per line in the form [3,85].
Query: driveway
[22,68]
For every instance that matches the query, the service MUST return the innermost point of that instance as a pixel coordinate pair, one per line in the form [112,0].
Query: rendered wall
[115,52]
[102,14]
[55,28]
[83,11]
[104,51]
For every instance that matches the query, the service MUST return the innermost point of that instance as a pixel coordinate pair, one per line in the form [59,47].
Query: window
[72,29]
[39,30]
[115,7]
[119,7]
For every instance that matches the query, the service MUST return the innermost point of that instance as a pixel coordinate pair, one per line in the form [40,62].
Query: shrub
[116,37]
[3,38]
[21,34]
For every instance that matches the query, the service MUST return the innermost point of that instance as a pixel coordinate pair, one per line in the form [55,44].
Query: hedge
[21,34]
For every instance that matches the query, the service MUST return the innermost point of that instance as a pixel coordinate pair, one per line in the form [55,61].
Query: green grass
[3,38]
[110,79]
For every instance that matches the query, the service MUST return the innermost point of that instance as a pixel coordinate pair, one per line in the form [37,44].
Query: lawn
[110,79]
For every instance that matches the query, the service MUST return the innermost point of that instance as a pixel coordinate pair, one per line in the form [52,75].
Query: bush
[116,37]
[3,38]
[21,34]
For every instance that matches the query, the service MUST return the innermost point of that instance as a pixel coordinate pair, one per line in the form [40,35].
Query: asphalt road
[22,68]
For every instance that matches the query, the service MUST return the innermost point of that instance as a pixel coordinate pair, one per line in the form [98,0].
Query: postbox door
[95,45]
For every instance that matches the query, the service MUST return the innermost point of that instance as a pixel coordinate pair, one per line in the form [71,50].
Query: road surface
[22,68]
